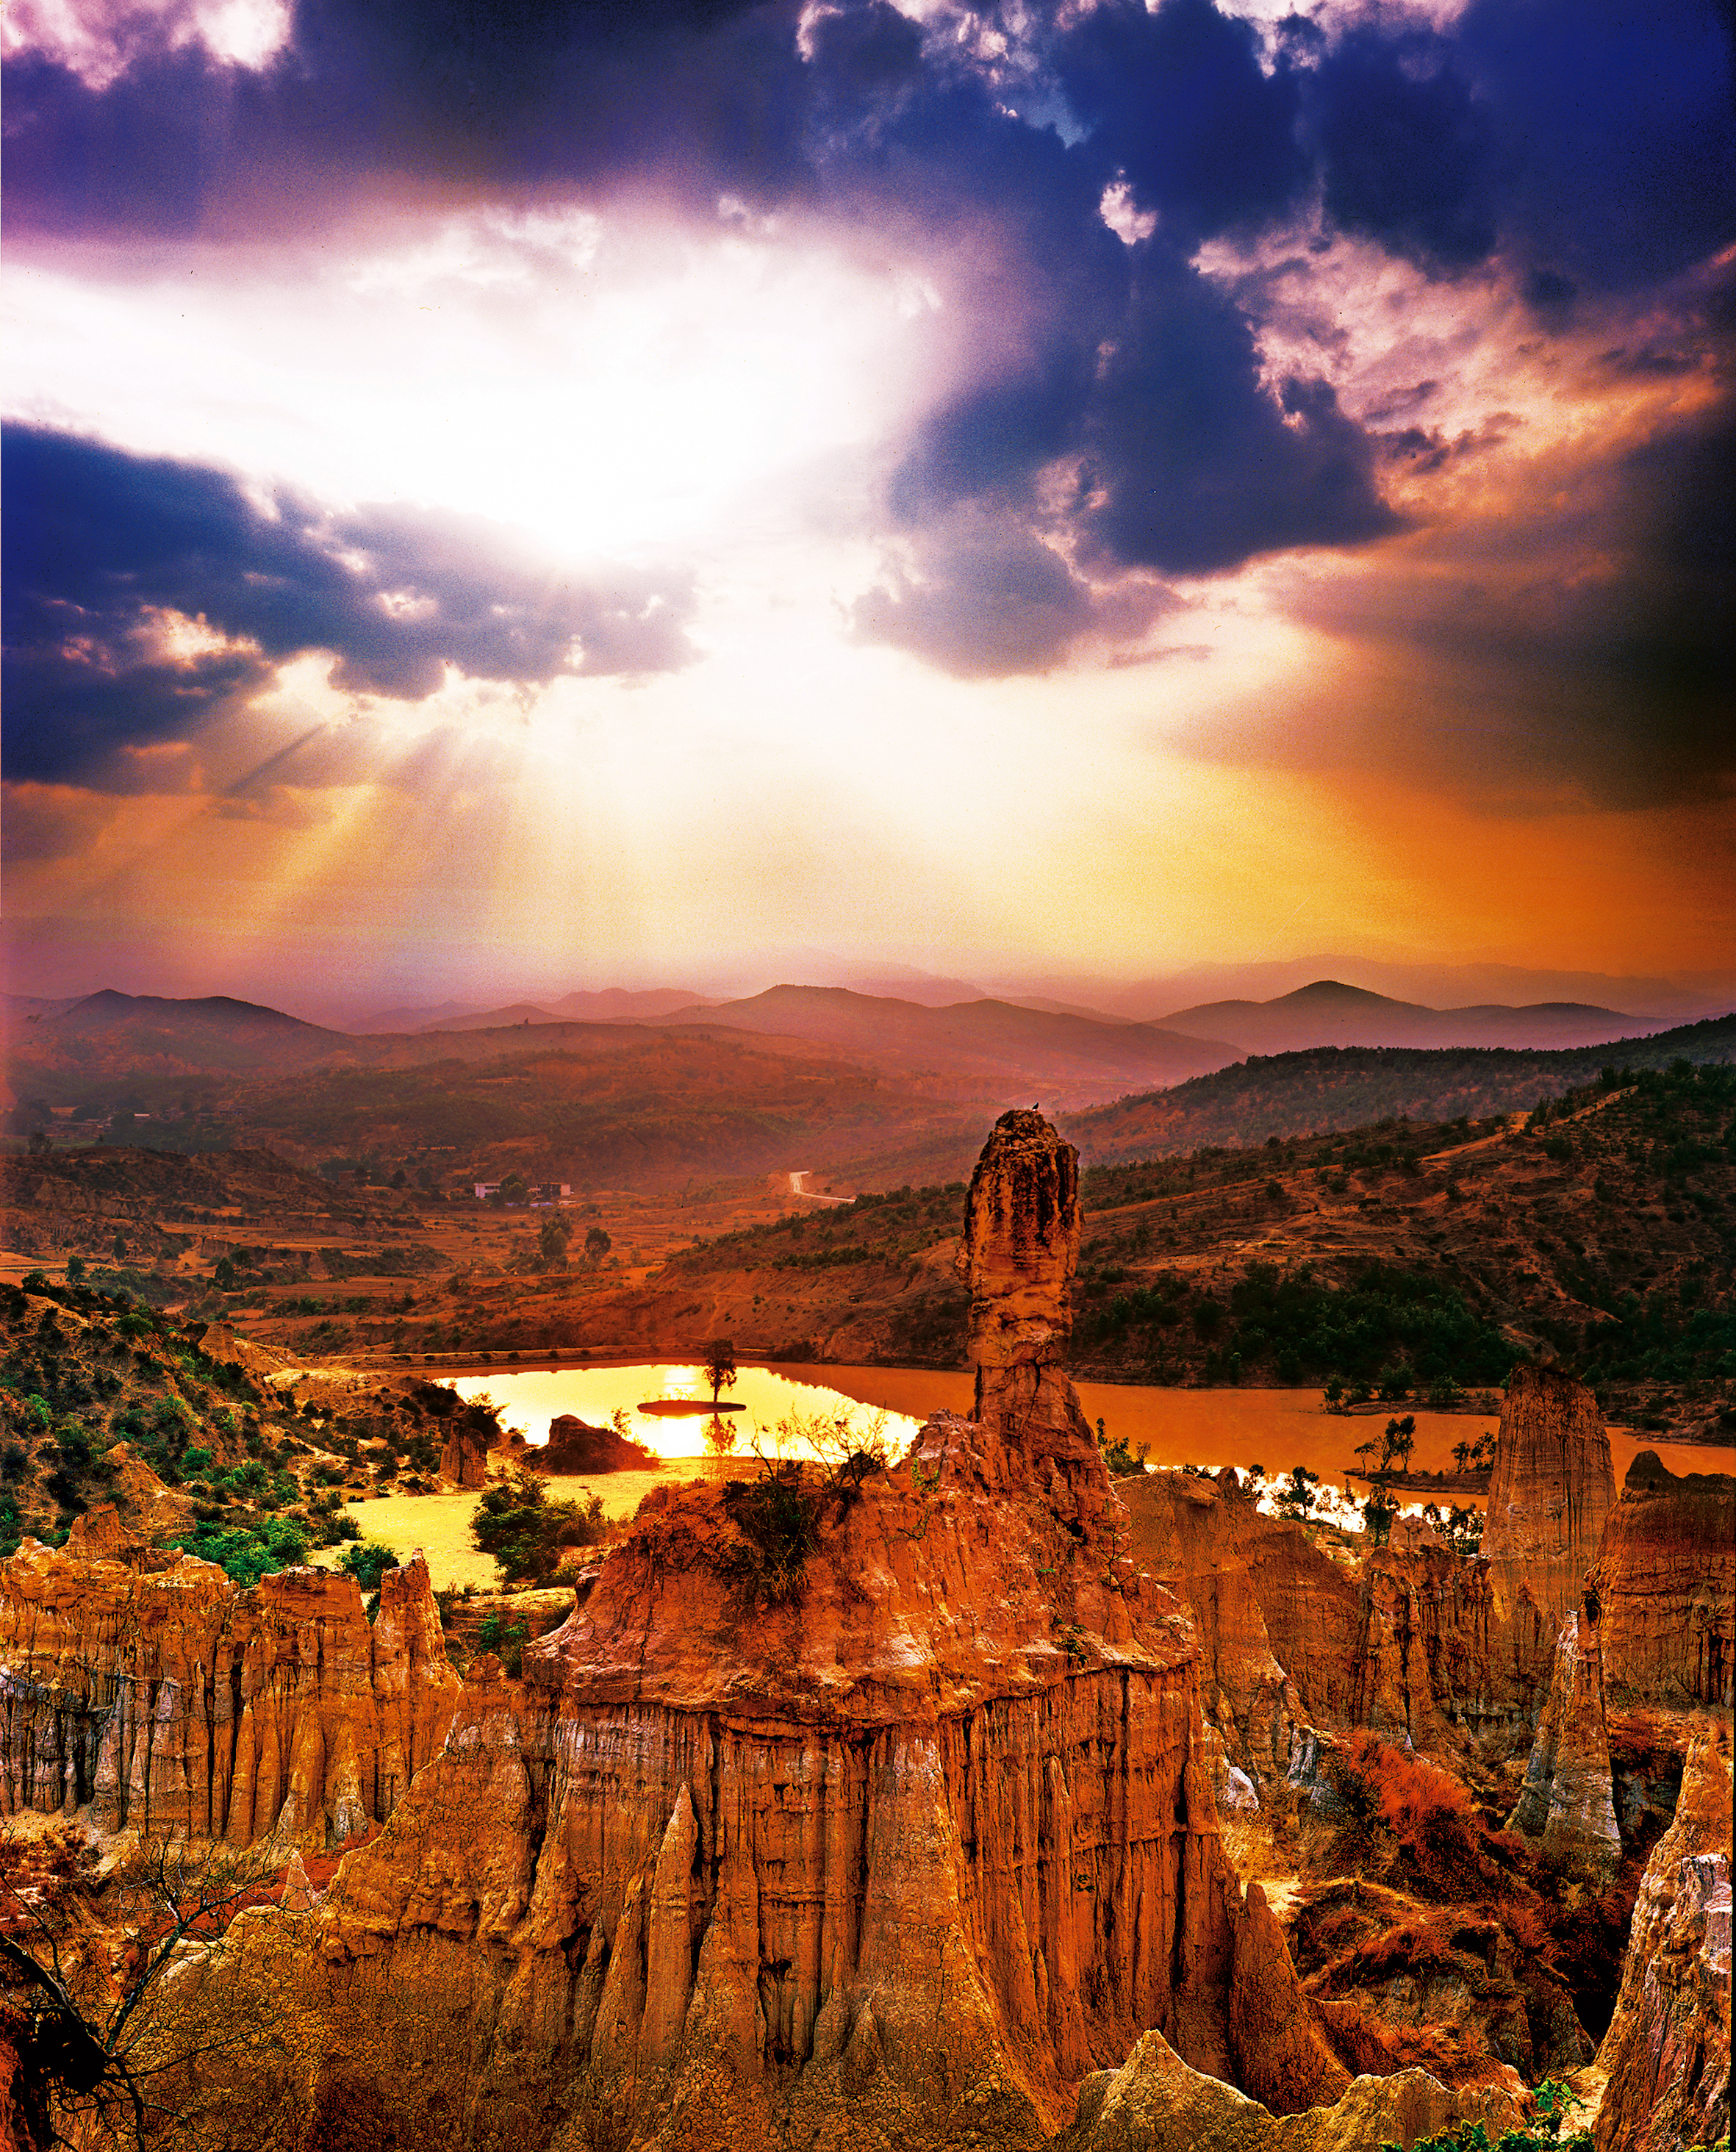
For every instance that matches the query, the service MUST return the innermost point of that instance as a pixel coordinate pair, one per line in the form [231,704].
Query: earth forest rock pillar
[1017,1254]
[1568,1799]
[1552,1487]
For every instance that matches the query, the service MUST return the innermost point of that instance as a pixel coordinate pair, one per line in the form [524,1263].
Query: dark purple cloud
[1405,149]
[989,598]
[1177,100]
[1595,140]
[1183,460]
[1614,127]
[695,97]
[99,545]
[1576,150]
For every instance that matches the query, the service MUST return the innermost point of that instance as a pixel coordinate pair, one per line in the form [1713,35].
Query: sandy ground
[439,1525]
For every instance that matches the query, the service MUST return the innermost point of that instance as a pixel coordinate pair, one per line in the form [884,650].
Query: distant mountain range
[886,1091]
[1684,998]
[1061,1059]
[1330,1014]
[1066,1057]
[611,1005]
[152,1035]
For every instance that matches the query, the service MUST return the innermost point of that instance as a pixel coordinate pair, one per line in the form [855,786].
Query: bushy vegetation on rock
[530,1533]
[246,1554]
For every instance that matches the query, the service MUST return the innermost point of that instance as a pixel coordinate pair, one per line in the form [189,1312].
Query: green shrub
[366,1561]
[777,1520]
[1542,2134]
[505,1636]
[247,1553]
[527,1534]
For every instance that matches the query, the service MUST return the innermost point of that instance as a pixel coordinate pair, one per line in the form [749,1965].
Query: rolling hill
[1433,1255]
[1298,1094]
[115,1034]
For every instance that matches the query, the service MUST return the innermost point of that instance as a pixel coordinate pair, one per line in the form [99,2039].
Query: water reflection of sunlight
[774,1408]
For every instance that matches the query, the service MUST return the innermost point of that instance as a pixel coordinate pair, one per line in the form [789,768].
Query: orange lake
[1276,1428]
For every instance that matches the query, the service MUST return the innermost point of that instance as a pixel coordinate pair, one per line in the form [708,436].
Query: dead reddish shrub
[1523,1920]
[1427,1811]
[1408,1950]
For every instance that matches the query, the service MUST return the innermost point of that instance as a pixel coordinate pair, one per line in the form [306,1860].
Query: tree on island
[1295,1497]
[719,1365]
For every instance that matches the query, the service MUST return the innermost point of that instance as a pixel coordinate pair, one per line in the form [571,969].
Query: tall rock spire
[1551,1488]
[1019,1250]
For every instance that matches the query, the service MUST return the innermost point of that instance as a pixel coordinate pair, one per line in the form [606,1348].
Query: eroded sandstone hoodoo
[897,1860]
[1568,1798]
[1551,1489]
[1666,1577]
[1667,2054]
[1018,1253]
[155,1690]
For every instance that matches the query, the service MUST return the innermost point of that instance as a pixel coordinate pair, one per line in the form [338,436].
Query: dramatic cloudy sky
[551,495]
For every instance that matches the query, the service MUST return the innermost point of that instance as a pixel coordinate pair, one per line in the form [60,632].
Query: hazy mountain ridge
[1327,1012]
[1005,1043]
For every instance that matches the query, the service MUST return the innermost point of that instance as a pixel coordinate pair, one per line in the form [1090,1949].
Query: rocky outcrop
[894,1860]
[1287,2062]
[1155,2102]
[150,1510]
[155,1690]
[573,1446]
[1666,1581]
[1551,1488]
[467,1432]
[1017,1254]
[1667,2054]
[463,1454]
[505,1617]
[1405,1644]
[1567,1802]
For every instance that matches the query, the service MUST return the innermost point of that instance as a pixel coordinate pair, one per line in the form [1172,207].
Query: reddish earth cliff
[1667,2049]
[1568,1799]
[1666,1578]
[1292,1635]
[153,1689]
[1551,1488]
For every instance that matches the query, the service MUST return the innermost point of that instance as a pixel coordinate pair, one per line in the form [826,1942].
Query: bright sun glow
[605,394]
